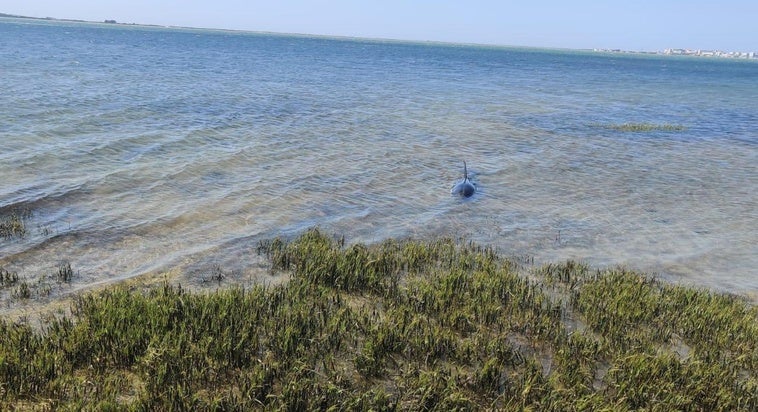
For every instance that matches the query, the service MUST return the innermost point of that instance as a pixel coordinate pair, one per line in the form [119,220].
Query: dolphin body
[464,188]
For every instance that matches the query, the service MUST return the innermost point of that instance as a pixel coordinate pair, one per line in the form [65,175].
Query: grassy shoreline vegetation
[13,223]
[401,325]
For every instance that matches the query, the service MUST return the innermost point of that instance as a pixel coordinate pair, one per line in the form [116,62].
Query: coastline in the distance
[689,52]
[666,52]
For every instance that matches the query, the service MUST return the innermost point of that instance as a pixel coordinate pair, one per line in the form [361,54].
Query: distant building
[710,53]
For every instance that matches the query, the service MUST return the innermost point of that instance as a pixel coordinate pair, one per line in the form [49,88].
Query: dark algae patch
[402,325]
[642,127]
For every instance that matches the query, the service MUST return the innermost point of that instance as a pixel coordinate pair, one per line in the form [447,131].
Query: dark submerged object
[464,188]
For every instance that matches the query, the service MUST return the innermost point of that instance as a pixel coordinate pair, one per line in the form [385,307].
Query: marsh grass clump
[64,273]
[23,291]
[7,278]
[13,224]
[401,325]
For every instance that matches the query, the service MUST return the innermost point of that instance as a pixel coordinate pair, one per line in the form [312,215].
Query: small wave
[39,196]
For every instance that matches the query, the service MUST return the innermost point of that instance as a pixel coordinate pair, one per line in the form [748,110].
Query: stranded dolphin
[464,188]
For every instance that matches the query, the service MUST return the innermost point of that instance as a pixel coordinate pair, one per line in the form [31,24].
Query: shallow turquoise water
[143,149]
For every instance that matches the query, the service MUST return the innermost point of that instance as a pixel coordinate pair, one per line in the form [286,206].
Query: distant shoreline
[689,52]
[15,16]
[667,52]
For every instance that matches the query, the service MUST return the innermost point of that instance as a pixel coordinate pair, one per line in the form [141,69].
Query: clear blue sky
[730,25]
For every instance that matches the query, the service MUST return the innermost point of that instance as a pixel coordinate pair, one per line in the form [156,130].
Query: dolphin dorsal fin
[465,171]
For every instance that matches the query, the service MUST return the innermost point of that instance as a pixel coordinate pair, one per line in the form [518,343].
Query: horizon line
[381,39]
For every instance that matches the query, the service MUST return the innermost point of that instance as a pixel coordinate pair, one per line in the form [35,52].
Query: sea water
[139,150]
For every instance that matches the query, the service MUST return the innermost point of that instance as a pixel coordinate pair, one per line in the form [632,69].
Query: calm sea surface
[140,150]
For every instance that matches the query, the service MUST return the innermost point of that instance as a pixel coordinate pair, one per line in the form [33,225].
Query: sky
[639,25]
